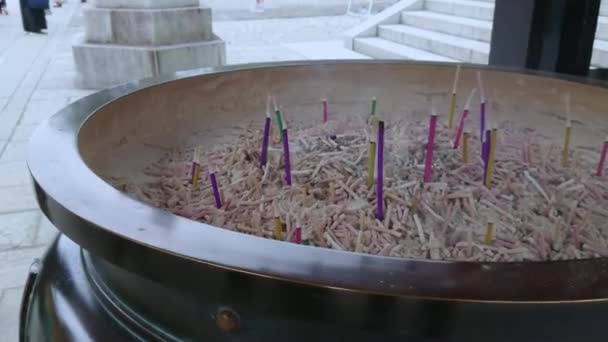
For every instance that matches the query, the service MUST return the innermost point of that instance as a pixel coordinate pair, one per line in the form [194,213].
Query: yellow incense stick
[489,233]
[371,162]
[491,157]
[453,99]
[278,229]
[465,147]
[452,110]
[196,174]
[567,138]
[278,225]
[196,166]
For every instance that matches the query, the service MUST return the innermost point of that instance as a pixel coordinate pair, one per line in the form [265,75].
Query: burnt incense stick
[428,160]
[286,157]
[380,172]
[265,138]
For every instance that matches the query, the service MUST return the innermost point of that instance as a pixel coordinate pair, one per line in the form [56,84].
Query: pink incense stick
[428,161]
[216,190]
[463,118]
[600,166]
[297,235]
[286,156]
[265,138]
[325,115]
[460,129]
[380,173]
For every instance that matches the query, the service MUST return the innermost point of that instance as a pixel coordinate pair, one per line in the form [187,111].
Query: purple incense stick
[430,146]
[380,173]
[482,109]
[264,153]
[482,120]
[486,154]
[286,156]
[216,190]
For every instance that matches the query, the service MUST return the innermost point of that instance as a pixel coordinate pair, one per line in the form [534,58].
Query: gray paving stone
[49,94]
[46,232]
[14,151]
[17,198]
[10,303]
[24,132]
[8,120]
[14,174]
[58,80]
[15,264]
[40,110]
[18,229]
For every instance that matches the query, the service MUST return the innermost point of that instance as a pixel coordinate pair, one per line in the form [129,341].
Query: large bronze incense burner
[124,270]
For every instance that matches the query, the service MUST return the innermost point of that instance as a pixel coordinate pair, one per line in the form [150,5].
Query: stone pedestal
[127,40]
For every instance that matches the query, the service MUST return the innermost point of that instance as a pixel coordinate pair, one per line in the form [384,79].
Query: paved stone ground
[242,9]
[37,78]
[251,41]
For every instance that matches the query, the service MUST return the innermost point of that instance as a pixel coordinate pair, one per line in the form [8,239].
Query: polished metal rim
[92,213]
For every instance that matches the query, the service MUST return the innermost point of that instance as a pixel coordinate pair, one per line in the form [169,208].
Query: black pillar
[550,35]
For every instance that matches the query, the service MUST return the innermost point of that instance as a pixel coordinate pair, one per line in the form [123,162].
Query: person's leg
[39,20]
[26,16]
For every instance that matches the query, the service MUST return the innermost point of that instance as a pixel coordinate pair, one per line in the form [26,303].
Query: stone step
[462,49]
[482,10]
[147,4]
[602,28]
[458,26]
[604,8]
[599,57]
[381,48]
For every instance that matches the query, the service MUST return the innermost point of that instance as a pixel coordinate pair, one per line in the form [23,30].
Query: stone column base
[105,65]
[127,40]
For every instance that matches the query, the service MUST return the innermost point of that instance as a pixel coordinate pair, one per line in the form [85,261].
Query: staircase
[448,31]
[599,58]
[442,30]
